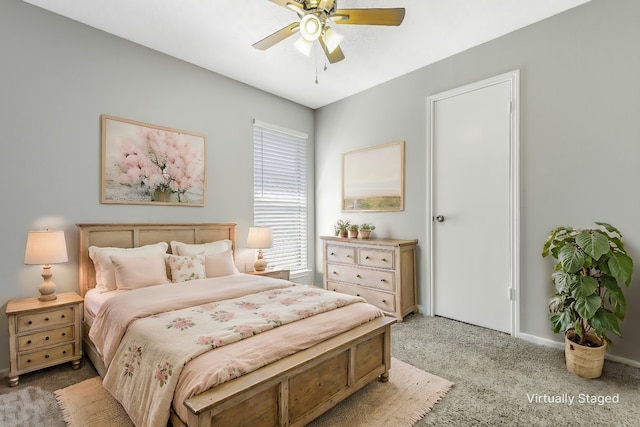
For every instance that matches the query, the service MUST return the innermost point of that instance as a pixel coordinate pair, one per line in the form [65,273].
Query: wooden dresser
[382,271]
[43,334]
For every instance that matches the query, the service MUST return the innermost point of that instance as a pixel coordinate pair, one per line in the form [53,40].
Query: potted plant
[589,302]
[365,230]
[353,231]
[341,227]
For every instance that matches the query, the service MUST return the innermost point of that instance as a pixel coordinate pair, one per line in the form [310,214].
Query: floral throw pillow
[185,268]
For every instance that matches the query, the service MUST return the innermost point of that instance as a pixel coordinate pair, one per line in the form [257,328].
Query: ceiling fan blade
[277,37]
[333,57]
[286,3]
[390,16]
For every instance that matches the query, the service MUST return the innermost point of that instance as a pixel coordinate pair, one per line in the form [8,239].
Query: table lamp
[260,238]
[46,247]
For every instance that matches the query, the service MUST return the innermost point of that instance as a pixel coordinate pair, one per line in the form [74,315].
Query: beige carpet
[405,399]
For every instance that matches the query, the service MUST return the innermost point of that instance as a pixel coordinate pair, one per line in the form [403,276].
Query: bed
[289,391]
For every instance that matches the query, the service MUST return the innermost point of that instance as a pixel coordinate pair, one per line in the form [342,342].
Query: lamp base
[260,264]
[47,288]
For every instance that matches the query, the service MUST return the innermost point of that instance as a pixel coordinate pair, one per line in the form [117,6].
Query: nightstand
[43,333]
[276,274]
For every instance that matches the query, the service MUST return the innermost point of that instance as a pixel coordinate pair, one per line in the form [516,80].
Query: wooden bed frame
[290,392]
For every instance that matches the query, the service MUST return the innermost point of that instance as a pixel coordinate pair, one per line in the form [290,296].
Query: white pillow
[182,249]
[220,264]
[139,272]
[185,268]
[105,274]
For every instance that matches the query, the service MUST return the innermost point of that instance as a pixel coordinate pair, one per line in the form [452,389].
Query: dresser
[382,271]
[43,333]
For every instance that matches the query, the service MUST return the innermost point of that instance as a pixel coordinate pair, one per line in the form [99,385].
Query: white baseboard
[551,343]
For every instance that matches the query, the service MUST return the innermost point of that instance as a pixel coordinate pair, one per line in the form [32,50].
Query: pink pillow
[220,264]
[139,272]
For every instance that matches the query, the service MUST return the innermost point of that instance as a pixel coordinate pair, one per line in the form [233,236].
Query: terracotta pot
[582,360]
[353,234]
[342,233]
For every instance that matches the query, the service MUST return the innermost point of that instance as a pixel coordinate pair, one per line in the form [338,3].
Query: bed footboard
[297,389]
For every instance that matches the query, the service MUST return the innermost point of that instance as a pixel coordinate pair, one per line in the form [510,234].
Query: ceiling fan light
[303,45]
[310,27]
[331,39]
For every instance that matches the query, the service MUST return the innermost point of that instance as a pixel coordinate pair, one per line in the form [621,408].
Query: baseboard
[560,345]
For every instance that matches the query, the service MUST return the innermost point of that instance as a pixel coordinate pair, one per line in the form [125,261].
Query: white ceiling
[218,35]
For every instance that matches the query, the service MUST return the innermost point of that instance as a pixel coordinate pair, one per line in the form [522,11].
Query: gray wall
[579,135]
[56,78]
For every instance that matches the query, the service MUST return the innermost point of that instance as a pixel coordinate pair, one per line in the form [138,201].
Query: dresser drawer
[343,254]
[48,356]
[361,276]
[45,338]
[44,319]
[376,258]
[382,300]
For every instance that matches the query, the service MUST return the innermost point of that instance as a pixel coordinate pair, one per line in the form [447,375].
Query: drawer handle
[384,301]
[28,360]
[62,317]
[334,290]
[367,257]
[46,319]
[46,356]
[65,351]
[64,334]
[332,253]
[383,280]
[46,338]
[335,272]
[358,276]
[29,342]
[348,256]
[29,322]
[357,295]
[384,260]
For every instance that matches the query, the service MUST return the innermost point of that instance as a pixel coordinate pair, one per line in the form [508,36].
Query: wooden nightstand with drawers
[276,274]
[43,334]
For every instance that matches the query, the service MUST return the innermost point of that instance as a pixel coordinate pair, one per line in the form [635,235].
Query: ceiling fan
[315,17]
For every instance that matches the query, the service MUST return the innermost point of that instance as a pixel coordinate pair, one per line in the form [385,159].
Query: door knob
[440,218]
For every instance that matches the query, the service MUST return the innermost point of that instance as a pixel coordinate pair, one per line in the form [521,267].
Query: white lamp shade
[310,27]
[303,45]
[331,39]
[45,247]
[259,238]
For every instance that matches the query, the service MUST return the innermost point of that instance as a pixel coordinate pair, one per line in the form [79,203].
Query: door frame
[513,78]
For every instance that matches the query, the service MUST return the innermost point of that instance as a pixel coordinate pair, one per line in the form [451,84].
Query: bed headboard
[135,235]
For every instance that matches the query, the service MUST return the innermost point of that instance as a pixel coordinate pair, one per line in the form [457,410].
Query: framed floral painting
[149,164]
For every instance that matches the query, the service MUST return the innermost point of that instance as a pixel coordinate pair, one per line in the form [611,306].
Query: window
[280,193]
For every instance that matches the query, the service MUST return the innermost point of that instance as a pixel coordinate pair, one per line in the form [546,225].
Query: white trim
[513,78]
[277,128]
[560,345]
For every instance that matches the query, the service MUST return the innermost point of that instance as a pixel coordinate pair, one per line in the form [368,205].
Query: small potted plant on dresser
[589,302]
[342,227]
[365,230]
[352,232]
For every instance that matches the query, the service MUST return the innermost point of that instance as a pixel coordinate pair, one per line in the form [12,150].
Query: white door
[473,147]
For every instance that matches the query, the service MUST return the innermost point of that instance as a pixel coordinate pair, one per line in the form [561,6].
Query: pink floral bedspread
[147,364]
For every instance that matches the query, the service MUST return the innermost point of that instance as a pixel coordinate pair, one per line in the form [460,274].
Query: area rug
[408,396]
[30,406]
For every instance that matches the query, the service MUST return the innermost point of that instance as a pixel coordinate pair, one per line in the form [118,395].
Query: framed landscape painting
[373,178]
[150,164]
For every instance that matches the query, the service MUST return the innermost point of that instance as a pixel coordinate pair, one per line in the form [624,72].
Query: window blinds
[280,193]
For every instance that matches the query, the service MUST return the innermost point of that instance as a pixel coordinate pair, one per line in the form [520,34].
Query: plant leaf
[586,307]
[621,267]
[571,257]
[603,321]
[584,287]
[593,243]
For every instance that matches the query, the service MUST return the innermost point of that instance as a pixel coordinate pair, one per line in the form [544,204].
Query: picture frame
[150,164]
[373,178]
